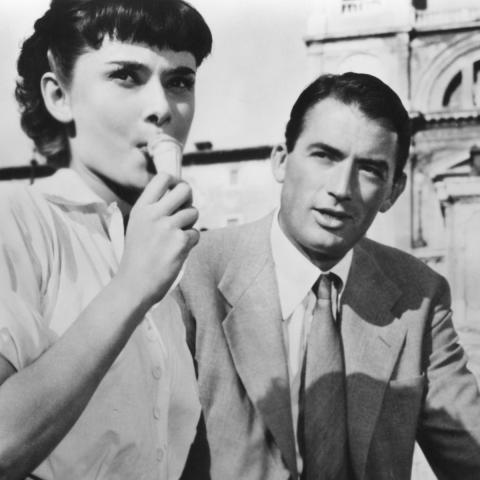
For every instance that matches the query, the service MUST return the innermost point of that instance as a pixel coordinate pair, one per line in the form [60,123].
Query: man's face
[336,179]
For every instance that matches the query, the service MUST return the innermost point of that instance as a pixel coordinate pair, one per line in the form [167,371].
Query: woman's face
[122,95]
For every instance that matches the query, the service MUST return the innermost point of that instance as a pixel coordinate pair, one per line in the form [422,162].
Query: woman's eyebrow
[131,65]
[180,70]
[127,63]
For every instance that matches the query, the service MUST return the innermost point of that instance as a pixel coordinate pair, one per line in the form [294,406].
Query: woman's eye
[182,83]
[125,76]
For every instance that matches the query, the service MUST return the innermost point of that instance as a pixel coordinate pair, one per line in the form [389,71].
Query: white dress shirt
[296,275]
[60,245]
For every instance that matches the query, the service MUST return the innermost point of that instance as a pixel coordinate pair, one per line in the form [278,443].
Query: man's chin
[329,248]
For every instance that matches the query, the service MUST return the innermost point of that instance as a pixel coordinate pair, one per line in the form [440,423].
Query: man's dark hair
[70,27]
[370,95]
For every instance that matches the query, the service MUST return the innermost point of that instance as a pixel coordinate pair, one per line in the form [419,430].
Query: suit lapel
[253,329]
[372,339]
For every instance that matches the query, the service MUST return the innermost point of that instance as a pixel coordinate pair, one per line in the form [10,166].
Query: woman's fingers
[156,188]
[193,236]
[179,197]
[185,218]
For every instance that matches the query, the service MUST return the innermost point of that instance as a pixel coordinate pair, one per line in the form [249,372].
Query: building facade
[231,186]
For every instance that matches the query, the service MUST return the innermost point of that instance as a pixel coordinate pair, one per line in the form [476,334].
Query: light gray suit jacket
[406,374]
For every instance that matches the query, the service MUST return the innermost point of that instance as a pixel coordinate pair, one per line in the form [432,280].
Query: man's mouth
[331,218]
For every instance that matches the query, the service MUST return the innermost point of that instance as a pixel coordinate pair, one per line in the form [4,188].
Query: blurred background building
[266,52]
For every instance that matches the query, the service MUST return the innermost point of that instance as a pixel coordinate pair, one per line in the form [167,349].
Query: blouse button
[157,372]
[160,454]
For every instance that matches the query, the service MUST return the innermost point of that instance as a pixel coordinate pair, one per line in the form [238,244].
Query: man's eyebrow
[379,163]
[335,152]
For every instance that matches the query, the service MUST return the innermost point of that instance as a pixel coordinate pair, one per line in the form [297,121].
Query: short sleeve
[24,252]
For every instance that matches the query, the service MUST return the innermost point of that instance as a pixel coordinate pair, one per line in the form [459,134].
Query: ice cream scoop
[166,153]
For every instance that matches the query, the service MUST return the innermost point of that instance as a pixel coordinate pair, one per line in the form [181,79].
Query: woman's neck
[107,190]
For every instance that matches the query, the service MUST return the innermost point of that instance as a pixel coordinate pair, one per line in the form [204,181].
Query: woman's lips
[148,158]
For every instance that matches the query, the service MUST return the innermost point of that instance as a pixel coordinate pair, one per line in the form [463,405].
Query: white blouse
[60,245]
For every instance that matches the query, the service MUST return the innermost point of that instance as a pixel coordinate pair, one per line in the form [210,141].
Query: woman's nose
[157,105]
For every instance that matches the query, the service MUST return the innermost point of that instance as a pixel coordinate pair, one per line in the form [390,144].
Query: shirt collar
[66,186]
[295,273]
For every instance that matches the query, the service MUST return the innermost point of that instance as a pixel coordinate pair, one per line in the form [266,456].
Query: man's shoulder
[226,240]
[383,252]
[217,247]
[219,250]
[226,234]
[402,267]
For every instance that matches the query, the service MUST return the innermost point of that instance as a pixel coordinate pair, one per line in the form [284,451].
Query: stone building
[231,186]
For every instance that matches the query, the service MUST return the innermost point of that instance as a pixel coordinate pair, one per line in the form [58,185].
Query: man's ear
[56,98]
[397,188]
[278,160]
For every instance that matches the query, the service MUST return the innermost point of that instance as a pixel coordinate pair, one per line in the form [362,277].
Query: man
[277,403]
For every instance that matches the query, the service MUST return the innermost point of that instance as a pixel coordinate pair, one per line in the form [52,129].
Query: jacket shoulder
[404,269]
[216,247]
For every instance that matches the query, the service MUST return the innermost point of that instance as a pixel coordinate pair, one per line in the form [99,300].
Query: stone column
[460,198]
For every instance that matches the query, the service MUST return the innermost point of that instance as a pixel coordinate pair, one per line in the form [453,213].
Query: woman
[95,383]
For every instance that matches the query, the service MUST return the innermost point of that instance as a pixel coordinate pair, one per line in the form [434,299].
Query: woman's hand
[159,237]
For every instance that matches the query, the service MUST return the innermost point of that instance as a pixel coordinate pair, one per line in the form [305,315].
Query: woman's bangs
[160,24]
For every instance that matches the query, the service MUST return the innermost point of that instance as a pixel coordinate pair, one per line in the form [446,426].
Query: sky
[245,89]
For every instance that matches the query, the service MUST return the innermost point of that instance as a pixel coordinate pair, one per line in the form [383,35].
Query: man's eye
[373,170]
[319,154]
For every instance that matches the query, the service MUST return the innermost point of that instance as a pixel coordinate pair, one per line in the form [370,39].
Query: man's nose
[157,105]
[341,180]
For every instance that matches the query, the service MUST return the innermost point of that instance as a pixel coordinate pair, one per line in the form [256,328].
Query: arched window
[451,95]
[463,90]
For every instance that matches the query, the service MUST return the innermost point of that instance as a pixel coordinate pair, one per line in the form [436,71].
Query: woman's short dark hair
[370,95]
[69,27]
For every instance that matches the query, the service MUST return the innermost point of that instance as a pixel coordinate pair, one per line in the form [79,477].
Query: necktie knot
[323,286]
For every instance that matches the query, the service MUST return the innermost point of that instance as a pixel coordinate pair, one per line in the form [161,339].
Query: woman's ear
[56,98]
[278,160]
